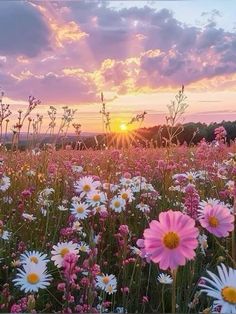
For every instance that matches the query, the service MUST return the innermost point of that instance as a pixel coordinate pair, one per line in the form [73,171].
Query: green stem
[228,255]
[162,299]
[52,295]
[173,300]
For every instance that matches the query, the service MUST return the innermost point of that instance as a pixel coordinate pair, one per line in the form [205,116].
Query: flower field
[122,231]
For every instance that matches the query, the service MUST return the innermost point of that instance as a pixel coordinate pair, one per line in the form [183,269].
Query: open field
[73,223]
[117,156]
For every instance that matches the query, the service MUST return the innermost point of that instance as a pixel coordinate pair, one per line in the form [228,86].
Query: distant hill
[191,134]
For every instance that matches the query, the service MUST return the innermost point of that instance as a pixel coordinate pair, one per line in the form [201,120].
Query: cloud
[22,29]
[54,89]
[70,50]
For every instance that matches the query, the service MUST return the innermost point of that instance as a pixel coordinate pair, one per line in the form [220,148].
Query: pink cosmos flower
[217,220]
[171,240]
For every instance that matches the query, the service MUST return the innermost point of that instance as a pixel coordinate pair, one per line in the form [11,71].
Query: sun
[123,127]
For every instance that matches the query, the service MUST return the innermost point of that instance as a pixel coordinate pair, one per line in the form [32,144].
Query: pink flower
[16,308]
[143,253]
[61,286]
[217,220]
[220,133]
[124,230]
[124,290]
[191,200]
[145,299]
[127,175]
[26,193]
[172,240]
[69,267]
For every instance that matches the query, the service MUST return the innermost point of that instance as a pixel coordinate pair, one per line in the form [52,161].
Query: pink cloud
[135,49]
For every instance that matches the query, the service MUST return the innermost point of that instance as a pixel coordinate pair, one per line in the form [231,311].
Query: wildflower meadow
[118,156]
[129,230]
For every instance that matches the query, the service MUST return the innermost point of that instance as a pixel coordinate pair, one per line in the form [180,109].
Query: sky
[138,53]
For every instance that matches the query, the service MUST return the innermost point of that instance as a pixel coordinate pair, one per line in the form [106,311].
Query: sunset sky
[138,53]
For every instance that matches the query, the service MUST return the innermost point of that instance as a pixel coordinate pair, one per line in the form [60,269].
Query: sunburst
[125,137]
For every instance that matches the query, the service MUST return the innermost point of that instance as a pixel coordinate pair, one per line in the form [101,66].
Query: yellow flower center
[213,221]
[124,196]
[117,204]
[86,188]
[171,240]
[80,210]
[34,259]
[109,289]
[96,198]
[105,280]
[229,294]
[64,251]
[33,278]
[190,177]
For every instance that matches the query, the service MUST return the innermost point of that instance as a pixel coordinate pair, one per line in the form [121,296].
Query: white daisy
[202,240]
[191,176]
[117,204]
[230,186]
[32,278]
[110,289]
[65,202]
[101,209]
[177,188]
[127,195]
[4,183]
[43,211]
[86,185]
[135,250]
[222,288]
[5,235]
[7,199]
[83,247]
[77,226]
[77,169]
[48,191]
[80,210]
[29,217]
[165,279]
[76,199]
[114,188]
[61,249]
[30,173]
[35,257]
[36,152]
[139,183]
[139,179]
[109,186]
[62,208]
[96,198]
[149,187]
[126,182]
[143,207]
[202,174]
[106,282]
[96,239]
